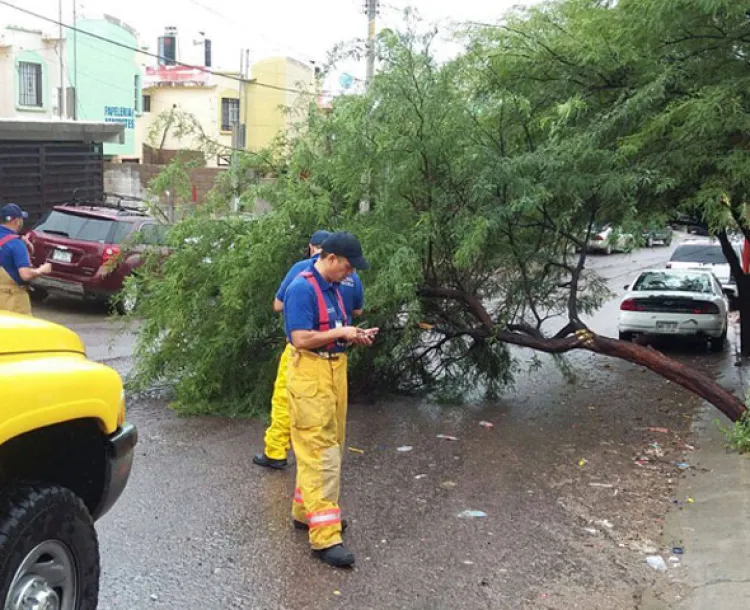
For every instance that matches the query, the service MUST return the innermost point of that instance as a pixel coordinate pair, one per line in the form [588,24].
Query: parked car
[607,239]
[92,250]
[657,233]
[707,254]
[66,453]
[672,302]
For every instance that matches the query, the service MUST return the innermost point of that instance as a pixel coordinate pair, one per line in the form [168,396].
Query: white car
[706,254]
[676,302]
[607,239]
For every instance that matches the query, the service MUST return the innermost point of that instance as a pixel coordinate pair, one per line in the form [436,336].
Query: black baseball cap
[319,237]
[345,244]
[10,211]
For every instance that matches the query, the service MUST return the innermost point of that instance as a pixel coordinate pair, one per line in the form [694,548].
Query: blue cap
[319,237]
[345,244]
[10,211]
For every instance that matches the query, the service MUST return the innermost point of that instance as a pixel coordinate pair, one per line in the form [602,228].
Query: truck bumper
[120,448]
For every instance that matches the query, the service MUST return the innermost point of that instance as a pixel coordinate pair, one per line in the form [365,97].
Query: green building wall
[107,78]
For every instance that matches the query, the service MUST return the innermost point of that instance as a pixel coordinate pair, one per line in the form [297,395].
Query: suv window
[696,253]
[84,228]
[153,235]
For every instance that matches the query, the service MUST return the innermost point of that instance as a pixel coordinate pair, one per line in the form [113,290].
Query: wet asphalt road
[200,527]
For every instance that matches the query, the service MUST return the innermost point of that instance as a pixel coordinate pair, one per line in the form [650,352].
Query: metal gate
[39,175]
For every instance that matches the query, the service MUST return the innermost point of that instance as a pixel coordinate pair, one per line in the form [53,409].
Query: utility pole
[371,10]
[75,61]
[61,49]
[236,136]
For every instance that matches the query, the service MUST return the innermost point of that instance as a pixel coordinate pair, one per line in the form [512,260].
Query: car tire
[717,344]
[626,336]
[48,547]
[38,295]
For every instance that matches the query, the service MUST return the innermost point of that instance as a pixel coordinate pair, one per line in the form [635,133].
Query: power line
[148,53]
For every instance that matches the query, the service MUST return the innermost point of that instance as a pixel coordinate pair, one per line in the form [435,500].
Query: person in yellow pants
[319,331]
[278,434]
[15,266]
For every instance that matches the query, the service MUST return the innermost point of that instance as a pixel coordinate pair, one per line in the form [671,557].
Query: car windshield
[82,228]
[699,253]
[673,282]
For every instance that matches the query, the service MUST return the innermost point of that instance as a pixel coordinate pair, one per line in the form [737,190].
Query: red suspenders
[8,239]
[324,322]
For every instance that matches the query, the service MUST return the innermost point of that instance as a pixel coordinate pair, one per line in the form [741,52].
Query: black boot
[261,459]
[303,526]
[338,556]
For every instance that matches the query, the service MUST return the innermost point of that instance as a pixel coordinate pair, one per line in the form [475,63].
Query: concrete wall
[17,45]
[132,179]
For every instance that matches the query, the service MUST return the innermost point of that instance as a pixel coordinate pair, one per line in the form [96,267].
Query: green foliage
[737,434]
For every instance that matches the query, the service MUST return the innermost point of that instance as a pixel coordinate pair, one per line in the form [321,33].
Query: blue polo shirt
[351,288]
[301,307]
[13,256]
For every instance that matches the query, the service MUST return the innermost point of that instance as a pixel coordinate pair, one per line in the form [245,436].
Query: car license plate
[62,256]
[667,327]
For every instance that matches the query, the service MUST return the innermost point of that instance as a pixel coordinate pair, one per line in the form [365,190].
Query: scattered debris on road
[471,514]
[448,484]
[447,437]
[657,562]
[355,450]
[405,448]
[486,424]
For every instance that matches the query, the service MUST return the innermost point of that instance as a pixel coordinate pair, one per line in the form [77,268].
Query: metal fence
[39,175]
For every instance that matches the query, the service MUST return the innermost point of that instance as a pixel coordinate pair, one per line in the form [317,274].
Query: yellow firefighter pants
[317,405]
[12,296]
[278,434]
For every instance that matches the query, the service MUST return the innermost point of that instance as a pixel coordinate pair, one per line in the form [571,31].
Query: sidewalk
[714,530]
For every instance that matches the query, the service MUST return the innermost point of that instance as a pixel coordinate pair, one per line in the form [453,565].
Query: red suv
[92,250]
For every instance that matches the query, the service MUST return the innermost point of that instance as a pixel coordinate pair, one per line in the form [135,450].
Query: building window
[137,93]
[230,113]
[146,103]
[30,84]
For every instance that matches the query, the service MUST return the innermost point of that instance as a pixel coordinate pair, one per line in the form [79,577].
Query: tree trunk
[743,298]
[689,378]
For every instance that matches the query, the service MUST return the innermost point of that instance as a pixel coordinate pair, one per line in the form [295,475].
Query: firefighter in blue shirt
[15,266]
[319,331]
[277,439]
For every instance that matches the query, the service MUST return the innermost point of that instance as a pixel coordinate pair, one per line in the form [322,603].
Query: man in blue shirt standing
[277,439]
[15,267]
[319,330]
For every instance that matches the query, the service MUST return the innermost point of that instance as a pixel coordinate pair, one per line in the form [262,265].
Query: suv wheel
[49,553]
[38,295]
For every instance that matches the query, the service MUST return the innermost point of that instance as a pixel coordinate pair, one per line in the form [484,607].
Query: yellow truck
[65,457]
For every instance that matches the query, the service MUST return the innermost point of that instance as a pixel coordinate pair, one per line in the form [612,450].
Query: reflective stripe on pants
[278,434]
[317,406]
[12,296]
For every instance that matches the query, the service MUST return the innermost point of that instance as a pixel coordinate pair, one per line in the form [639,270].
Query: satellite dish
[346,80]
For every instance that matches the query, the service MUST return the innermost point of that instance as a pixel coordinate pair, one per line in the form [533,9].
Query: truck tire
[49,550]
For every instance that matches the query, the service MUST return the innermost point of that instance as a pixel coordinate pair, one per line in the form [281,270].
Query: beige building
[30,73]
[189,109]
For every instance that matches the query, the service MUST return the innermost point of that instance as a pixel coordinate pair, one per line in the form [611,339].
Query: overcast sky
[300,28]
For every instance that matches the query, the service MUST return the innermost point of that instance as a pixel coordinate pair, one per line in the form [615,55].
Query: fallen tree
[485,178]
